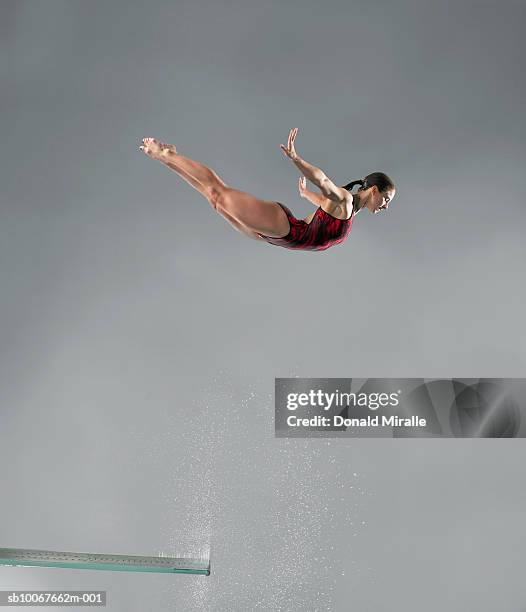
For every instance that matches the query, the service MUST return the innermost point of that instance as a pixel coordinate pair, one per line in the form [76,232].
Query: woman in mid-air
[273,222]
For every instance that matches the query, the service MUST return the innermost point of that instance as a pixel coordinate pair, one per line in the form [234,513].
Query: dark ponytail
[350,185]
[381,180]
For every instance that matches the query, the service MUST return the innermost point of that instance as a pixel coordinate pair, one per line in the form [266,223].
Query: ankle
[168,152]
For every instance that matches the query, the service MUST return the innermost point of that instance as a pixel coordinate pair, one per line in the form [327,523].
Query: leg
[242,210]
[235,224]
[189,179]
[242,229]
[199,172]
[200,177]
[263,216]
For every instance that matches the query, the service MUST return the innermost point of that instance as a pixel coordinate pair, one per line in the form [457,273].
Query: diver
[272,221]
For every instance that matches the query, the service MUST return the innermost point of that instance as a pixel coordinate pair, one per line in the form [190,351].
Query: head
[375,193]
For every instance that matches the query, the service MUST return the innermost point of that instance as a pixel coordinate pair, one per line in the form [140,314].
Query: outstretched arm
[314,174]
[321,180]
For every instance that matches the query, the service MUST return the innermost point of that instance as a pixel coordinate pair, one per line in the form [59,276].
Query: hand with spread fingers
[289,150]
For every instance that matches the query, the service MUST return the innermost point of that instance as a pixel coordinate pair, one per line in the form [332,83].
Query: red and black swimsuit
[321,233]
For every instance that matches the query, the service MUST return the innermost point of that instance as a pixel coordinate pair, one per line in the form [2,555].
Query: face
[377,201]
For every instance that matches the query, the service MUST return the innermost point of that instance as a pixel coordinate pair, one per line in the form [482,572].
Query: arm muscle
[333,192]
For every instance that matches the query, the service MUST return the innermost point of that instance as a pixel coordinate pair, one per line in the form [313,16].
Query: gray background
[140,334]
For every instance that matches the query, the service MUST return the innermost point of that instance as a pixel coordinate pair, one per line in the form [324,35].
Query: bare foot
[156,149]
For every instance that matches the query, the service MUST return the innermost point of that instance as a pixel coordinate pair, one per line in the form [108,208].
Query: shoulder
[341,209]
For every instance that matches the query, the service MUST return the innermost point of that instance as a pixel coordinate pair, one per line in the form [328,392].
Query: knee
[218,199]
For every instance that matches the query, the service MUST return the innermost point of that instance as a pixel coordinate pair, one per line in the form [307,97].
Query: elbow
[324,185]
[321,177]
